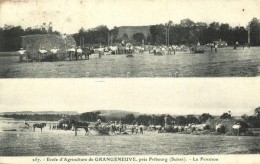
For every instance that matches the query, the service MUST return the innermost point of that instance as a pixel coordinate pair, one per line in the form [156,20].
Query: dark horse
[78,124]
[39,125]
[87,51]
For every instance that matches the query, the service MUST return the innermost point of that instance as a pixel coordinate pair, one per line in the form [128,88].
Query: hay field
[59,142]
[226,63]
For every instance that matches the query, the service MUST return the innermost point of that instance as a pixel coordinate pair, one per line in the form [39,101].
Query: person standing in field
[136,128]
[79,52]
[41,53]
[22,54]
[141,128]
[216,48]
[133,128]
[54,52]
[25,122]
[154,50]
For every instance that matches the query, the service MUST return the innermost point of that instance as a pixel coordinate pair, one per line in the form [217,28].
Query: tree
[128,119]
[204,117]
[226,116]
[181,120]
[254,25]
[257,112]
[192,119]
[125,37]
[157,34]
[144,119]
[138,38]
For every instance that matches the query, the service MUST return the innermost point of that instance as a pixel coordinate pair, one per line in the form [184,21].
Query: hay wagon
[33,43]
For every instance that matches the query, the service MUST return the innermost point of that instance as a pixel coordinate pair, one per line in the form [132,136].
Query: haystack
[48,41]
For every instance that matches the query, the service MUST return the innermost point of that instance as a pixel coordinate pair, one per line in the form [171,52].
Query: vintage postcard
[120,38]
[117,81]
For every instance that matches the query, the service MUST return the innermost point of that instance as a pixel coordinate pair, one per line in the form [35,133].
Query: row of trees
[34,117]
[186,32]
[252,121]
[10,36]
[160,119]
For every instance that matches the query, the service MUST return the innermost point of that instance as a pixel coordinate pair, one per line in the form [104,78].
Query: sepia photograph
[120,38]
[129,81]
[119,117]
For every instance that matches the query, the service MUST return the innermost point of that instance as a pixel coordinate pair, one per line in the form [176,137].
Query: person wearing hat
[41,53]
[21,54]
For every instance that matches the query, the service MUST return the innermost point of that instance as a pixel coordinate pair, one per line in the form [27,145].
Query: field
[59,142]
[227,62]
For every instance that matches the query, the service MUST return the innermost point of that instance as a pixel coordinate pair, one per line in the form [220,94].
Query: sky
[68,16]
[144,95]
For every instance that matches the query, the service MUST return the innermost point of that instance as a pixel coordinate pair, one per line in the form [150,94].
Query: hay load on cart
[34,43]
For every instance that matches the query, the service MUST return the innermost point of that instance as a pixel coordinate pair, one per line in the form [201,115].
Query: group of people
[135,128]
[165,49]
[43,52]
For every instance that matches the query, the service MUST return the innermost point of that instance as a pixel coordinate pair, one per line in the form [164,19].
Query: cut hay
[48,41]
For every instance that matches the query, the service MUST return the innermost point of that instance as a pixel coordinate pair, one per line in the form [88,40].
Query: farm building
[49,41]
[220,43]
[131,30]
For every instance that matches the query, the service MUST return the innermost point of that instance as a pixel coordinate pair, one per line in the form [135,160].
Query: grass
[226,63]
[64,143]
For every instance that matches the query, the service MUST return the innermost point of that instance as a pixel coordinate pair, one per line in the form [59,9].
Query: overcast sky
[68,16]
[173,96]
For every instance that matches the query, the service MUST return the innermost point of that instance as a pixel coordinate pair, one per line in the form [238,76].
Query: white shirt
[21,52]
[43,51]
[79,50]
[72,49]
[54,51]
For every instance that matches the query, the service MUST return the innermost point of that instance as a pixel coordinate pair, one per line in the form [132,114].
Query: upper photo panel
[129,39]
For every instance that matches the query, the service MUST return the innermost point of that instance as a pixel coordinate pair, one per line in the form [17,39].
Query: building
[131,30]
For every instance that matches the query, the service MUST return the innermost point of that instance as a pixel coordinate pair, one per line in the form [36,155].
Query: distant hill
[115,113]
[41,112]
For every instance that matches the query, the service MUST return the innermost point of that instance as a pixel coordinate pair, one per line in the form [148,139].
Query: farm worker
[141,128]
[41,53]
[79,51]
[26,123]
[154,50]
[132,128]
[21,54]
[136,128]
[54,51]
[211,47]
[71,52]
[216,47]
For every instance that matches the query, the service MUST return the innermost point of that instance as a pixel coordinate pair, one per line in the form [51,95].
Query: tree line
[10,36]
[145,119]
[186,32]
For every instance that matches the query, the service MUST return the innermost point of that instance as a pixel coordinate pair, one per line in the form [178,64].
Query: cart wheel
[22,128]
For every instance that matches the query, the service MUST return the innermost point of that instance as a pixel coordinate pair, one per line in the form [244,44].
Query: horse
[87,51]
[78,124]
[39,125]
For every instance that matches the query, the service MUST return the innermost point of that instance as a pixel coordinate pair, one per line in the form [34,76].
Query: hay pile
[48,41]
[226,123]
